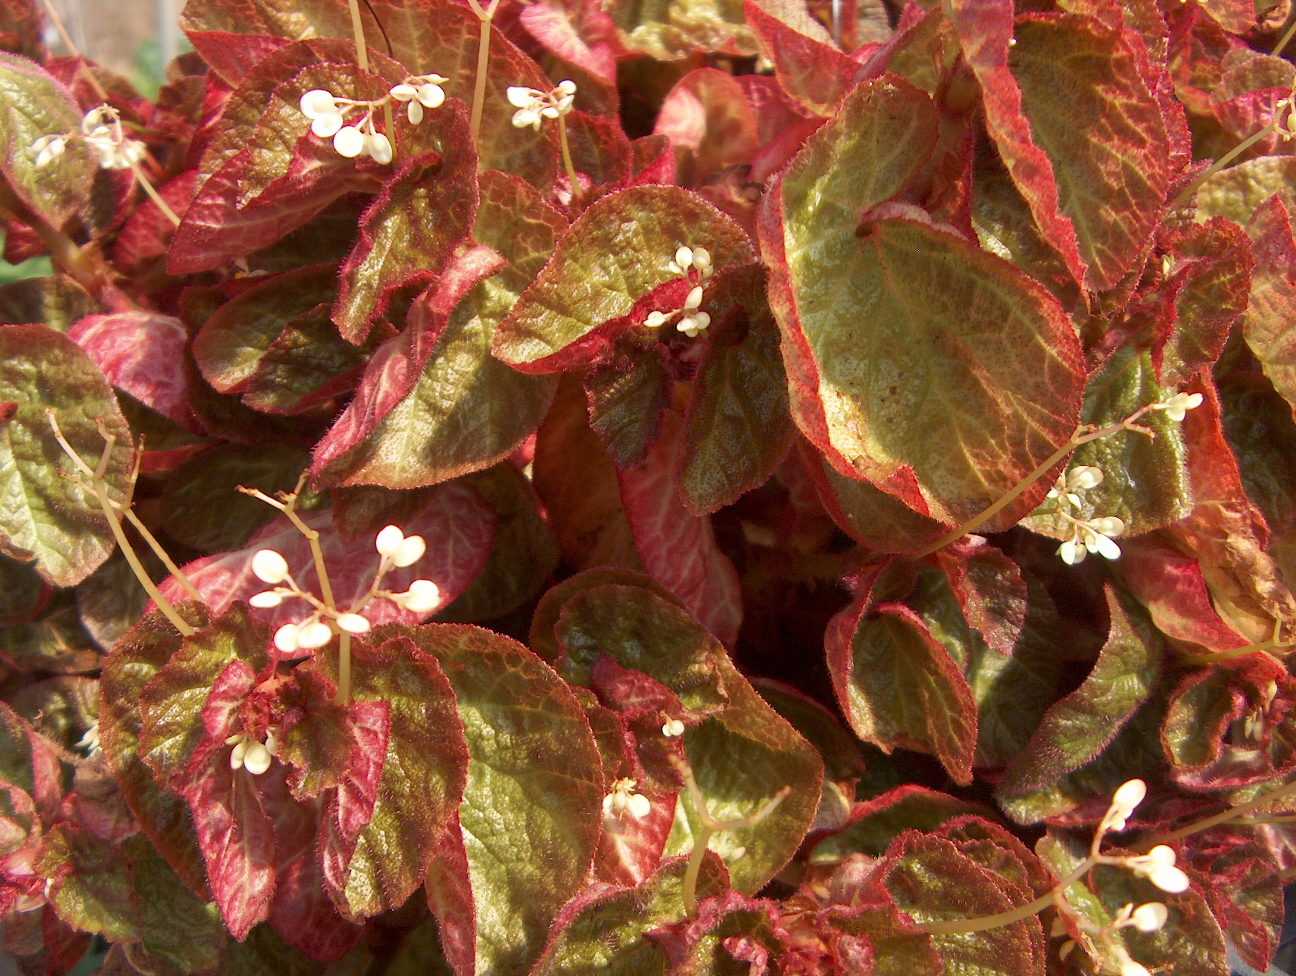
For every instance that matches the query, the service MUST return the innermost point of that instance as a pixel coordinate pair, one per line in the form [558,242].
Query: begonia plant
[707,486]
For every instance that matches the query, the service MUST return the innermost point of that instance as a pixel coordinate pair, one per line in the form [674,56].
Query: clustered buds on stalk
[250,754]
[102,131]
[624,800]
[535,106]
[397,551]
[688,260]
[1087,535]
[420,91]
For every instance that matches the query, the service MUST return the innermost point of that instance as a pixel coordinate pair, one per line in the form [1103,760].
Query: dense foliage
[579,486]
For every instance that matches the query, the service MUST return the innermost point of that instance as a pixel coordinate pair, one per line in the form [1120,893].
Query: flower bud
[269,567]
[266,599]
[313,634]
[353,623]
[317,102]
[286,638]
[349,141]
[257,759]
[422,596]
[1150,916]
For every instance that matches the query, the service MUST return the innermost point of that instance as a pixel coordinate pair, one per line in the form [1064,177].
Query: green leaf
[522,556]
[533,801]
[626,398]
[1090,109]
[1238,191]
[232,343]
[1145,480]
[33,105]
[899,686]
[177,927]
[878,822]
[737,428]
[543,638]
[201,506]
[742,757]
[1080,726]
[90,884]
[672,29]
[916,361]
[422,778]
[171,703]
[643,632]
[135,660]
[43,515]
[615,254]
[932,881]
[1272,294]
[608,932]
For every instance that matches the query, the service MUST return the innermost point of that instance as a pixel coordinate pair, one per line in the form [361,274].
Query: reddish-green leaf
[710,124]
[36,105]
[612,257]
[44,516]
[1266,321]
[898,686]
[880,314]
[1084,91]
[875,823]
[807,61]
[532,804]
[90,885]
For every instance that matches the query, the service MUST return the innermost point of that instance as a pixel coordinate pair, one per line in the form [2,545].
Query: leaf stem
[1282,43]
[153,194]
[567,160]
[711,826]
[357,30]
[1223,161]
[1082,435]
[483,59]
[960,926]
[1218,818]
[62,248]
[105,503]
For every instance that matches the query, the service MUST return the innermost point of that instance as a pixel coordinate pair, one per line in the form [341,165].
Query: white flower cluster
[90,742]
[420,91]
[534,106]
[1087,535]
[687,260]
[397,551]
[624,800]
[250,754]
[1158,864]
[102,131]
[1177,407]
[328,114]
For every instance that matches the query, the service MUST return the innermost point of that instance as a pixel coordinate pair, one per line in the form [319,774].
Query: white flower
[250,754]
[694,298]
[317,102]
[90,742]
[269,566]
[1150,916]
[1158,866]
[1124,801]
[421,91]
[267,599]
[422,596]
[1177,406]
[378,146]
[353,623]
[623,799]
[397,548]
[673,727]
[1128,967]
[1092,535]
[655,320]
[102,130]
[691,325]
[349,142]
[692,257]
[534,106]
[47,148]
[310,634]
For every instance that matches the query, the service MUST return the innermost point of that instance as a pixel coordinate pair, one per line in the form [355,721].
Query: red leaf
[807,63]
[138,353]
[457,525]
[990,591]
[678,548]
[351,806]
[985,32]
[709,122]
[450,899]
[1172,587]
[237,840]
[553,27]
[146,236]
